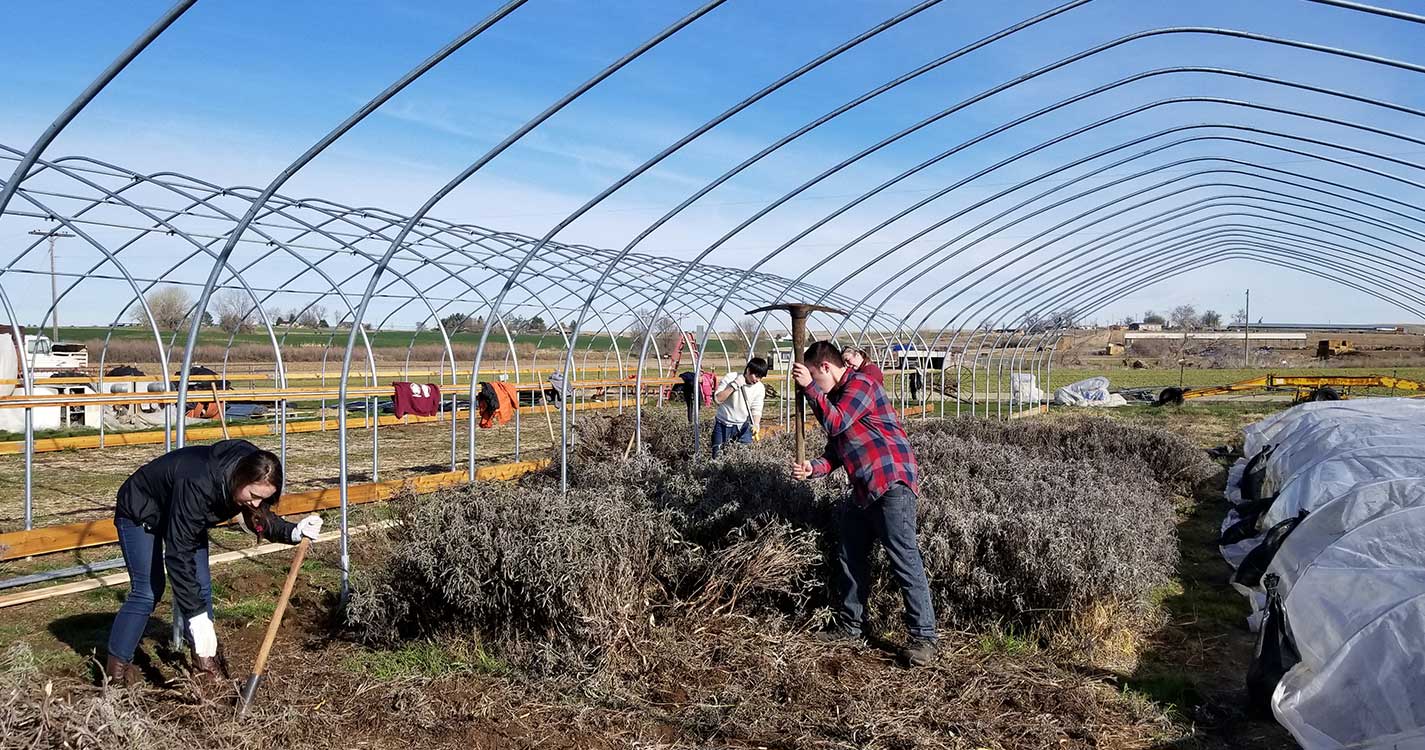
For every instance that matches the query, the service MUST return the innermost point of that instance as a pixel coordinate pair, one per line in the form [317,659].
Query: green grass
[107,595]
[246,610]
[9,633]
[51,660]
[1004,642]
[426,660]
[1173,692]
[7,436]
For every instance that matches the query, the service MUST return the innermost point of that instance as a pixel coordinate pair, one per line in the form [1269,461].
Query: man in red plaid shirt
[864,435]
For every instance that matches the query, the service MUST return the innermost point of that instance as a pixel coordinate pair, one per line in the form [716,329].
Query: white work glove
[205,639]
[309,527]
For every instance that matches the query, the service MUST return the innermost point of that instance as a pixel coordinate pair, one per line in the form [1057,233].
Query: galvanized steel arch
[344,246]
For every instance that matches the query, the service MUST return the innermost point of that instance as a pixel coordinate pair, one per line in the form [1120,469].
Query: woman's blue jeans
[143,555]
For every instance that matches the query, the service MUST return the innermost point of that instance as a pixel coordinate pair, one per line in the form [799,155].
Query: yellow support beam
[68,537]
[24,401]
[301,376]
[197,434]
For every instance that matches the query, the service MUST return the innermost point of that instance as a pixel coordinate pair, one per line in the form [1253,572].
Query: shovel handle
[260,665]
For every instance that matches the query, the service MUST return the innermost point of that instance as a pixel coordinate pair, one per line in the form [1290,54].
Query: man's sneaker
[839,637]
[920,652]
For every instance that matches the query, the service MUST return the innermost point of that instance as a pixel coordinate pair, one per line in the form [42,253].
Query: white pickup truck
[47,357]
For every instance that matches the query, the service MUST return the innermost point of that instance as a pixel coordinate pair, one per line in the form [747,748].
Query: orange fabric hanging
[203,410]
[506,401]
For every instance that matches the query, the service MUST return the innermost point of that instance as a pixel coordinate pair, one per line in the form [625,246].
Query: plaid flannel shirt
[863,434]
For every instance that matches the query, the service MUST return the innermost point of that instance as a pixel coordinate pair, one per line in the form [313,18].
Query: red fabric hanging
[414,398]
[707,384]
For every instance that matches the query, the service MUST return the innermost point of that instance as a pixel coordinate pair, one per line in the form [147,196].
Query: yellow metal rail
[318,393]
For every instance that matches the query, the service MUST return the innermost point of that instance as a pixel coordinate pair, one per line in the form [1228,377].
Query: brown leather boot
[210,674]
[119,672]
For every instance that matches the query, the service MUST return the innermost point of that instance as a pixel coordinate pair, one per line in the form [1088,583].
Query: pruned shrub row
[1025,525]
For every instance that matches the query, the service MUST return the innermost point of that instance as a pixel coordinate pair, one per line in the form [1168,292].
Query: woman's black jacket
[179,496]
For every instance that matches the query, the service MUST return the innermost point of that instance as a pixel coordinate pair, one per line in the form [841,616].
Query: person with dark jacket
[163,513]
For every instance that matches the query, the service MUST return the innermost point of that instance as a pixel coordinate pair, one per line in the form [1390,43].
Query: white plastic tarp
[1356,579]
[1233,490]
[1319,530]
[1312,447]
[1089,392]
[1024,388]
[1369,695]
[1334,475]
[1271,430]
[1352,572]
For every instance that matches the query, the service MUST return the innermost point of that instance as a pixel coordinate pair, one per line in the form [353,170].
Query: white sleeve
[726,381]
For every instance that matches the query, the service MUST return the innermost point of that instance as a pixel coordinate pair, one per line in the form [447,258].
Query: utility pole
[53,285]
[1247,331]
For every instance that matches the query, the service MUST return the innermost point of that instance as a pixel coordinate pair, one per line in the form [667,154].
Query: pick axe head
[799,311]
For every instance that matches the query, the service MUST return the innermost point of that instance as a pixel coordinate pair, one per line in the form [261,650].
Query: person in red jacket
[858,360]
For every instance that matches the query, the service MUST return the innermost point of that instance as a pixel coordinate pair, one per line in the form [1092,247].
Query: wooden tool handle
[272,627]
[799,338]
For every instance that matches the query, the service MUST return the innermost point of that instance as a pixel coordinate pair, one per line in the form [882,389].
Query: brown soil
[723,681]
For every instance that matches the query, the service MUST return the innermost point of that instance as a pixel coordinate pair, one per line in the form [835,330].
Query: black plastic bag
[1276,654]
[1243,529]
[1255,564]
[1255,474]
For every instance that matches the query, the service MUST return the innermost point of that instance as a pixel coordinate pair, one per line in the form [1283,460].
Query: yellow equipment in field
[1308,387]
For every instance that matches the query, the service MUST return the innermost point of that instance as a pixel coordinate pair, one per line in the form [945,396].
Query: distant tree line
[1184,317]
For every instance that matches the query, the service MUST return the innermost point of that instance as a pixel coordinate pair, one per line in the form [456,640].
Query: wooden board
[154,437]
[26,401]
[114,579]
[87,380]
[67,537]
[357,375]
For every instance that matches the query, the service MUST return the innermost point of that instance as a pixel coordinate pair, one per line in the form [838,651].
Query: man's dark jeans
[891,519]
[725,433]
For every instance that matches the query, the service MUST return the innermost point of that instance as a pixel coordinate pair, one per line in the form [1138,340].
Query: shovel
[250,689]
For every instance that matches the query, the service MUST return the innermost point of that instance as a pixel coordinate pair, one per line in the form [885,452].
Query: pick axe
[249,690]
[799,312]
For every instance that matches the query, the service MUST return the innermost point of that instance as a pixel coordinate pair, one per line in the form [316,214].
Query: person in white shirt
[739,397]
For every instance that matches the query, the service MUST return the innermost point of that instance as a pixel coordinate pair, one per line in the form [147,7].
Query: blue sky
[236,89]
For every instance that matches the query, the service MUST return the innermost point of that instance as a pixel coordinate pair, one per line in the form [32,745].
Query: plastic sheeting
[1334,475]
[1234,478]
[1333,520]
[1090,392]
[1024,389]
[1354,581]
[1351,573]
[1369,695]
[1309,446]
[1276,428]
